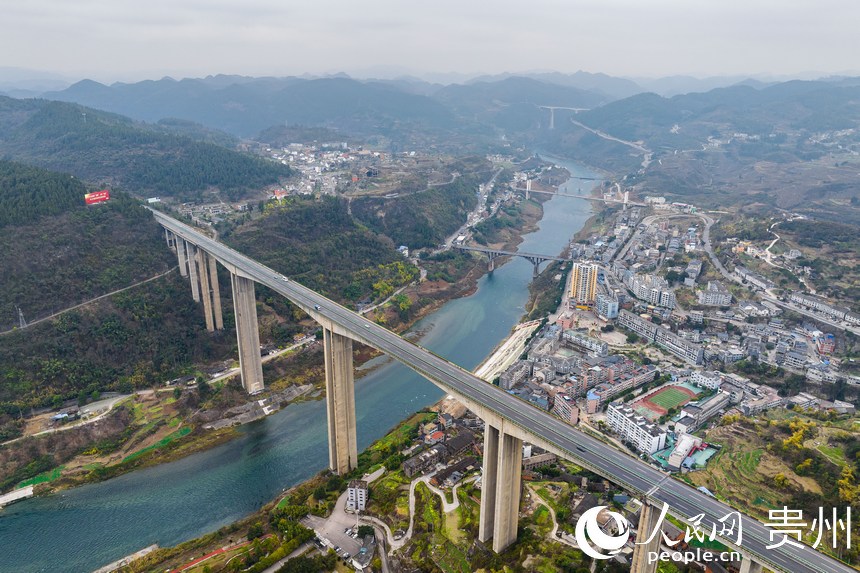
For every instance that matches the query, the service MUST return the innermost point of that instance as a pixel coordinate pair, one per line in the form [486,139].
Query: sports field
[671,397]
[657,404]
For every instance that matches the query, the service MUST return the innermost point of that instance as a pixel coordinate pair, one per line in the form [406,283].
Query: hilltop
[110,149]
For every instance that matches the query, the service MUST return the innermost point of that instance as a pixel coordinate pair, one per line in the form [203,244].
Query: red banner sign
[97,197]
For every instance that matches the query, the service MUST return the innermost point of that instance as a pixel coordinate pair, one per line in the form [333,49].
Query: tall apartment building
[356,495]
[565,408]
[583,284]
[607,306]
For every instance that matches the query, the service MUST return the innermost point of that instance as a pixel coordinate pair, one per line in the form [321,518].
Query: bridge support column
[216,293]
[340,402]
[750,566]
[500,488]
[170,238]
[191,251]
[248,334]
[491,265]
[648,521]
[204,288]
[180,254]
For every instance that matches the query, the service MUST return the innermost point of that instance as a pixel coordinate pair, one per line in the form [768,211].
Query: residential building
[765,398]
[607,306]
[605,391]
[795,360]
[753,278]
[709,380]
[652,289]
[424,461]
[826,344]
[583,283]
[517,373]
[715,294]
[356,495]
[564,407]
[645,436]
[540,460]
[694,269]
[803,400]
[594,345]
[819,304]
[684,349]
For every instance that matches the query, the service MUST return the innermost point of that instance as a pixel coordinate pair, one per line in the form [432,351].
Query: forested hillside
[57,252]
[318,244]
[27,193]
[109,149]
[422,219]
[137,338]
[67,258]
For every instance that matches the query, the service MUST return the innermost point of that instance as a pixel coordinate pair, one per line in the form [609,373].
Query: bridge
[528,191]
[508,421]
[552,109]
[493,254]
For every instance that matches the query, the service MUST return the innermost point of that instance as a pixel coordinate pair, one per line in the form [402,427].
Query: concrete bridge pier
[247,334]
[170,238]
[750,566]
[183,260]
[191,251]
[340,402]
[204,288]
[536,264]
[491,264]
[216,292]
[500,488]
[648,521]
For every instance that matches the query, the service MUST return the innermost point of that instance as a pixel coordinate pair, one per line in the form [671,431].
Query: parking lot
[334,528]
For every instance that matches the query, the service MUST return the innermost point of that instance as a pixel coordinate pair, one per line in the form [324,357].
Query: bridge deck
[510,253]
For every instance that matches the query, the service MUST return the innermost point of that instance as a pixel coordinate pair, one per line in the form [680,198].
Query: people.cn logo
[593,541]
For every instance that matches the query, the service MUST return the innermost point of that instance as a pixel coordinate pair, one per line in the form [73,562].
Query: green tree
[366,530]
[255,531]
[203,389]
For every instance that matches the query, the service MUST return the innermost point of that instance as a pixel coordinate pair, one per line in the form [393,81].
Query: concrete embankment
[127,559]
[16,495]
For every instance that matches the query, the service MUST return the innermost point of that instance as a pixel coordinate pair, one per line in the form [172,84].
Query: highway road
[631,473]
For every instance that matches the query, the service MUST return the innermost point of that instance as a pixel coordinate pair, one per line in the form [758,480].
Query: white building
[715,295]
[709,380]
[645,436]
[356,495]
[594,345]
[607,306]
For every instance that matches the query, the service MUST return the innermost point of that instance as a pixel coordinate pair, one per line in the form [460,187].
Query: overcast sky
[136,39]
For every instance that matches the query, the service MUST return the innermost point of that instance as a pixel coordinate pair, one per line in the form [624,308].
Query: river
[84,528]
